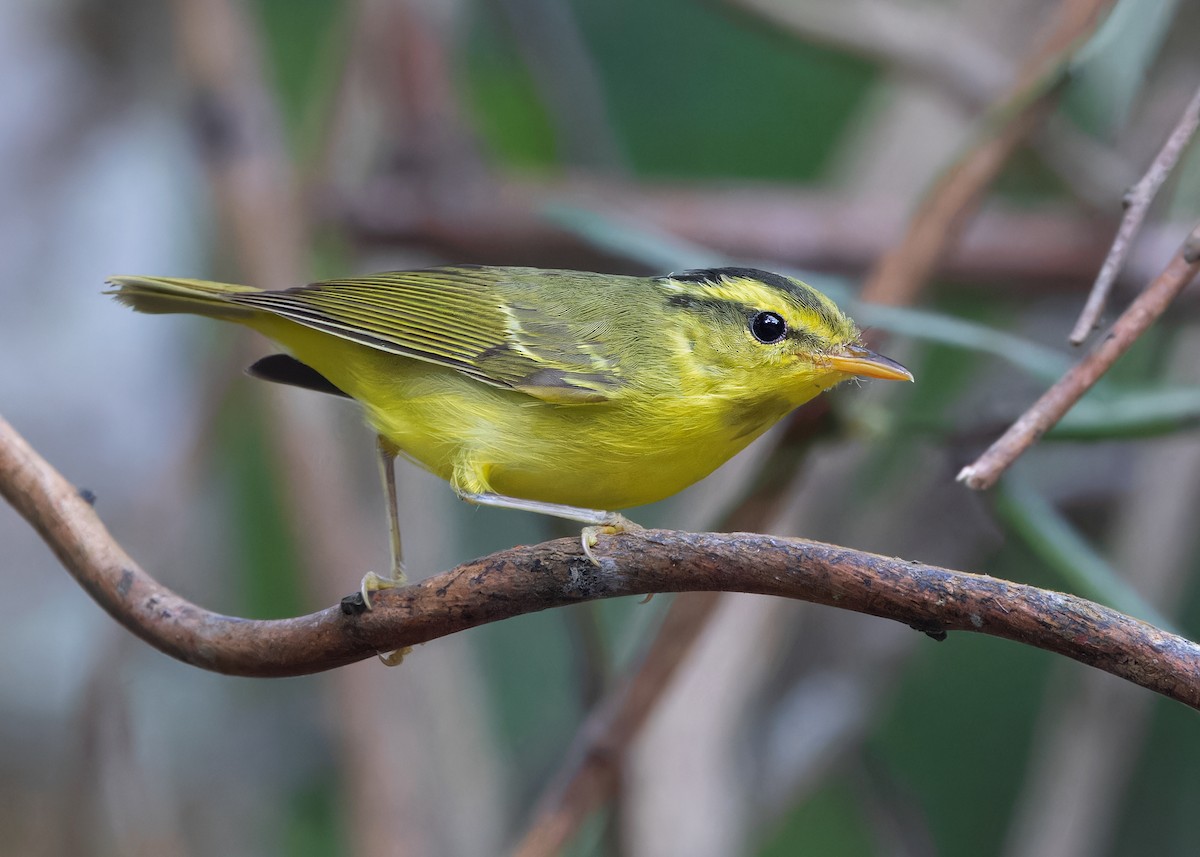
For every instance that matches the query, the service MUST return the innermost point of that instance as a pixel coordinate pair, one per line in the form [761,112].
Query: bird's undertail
[167,294]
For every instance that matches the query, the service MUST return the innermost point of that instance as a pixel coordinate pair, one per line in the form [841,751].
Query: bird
[565,393]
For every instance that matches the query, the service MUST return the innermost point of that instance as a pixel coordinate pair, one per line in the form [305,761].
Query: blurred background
[278,141]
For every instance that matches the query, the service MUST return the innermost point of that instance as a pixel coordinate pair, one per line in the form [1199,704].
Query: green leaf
[1038,360]
[1130,414]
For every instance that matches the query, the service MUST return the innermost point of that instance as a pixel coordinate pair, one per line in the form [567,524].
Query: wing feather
[483,322]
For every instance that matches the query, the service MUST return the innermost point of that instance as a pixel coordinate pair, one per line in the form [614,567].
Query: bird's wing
[463,318]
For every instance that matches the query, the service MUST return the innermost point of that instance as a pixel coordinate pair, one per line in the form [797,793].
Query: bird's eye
[768,327]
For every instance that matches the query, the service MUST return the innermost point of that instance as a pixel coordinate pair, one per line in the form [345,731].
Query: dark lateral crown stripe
[804,294]
[715,275]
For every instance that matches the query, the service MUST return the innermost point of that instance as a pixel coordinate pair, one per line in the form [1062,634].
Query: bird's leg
[371,581]
[598,521]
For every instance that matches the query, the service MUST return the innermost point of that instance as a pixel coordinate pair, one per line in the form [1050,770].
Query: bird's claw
[393,658]
[372,582]
[591,535]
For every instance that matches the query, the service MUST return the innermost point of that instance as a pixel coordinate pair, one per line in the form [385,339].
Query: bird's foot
[616,523]
[394,658]
[372,582]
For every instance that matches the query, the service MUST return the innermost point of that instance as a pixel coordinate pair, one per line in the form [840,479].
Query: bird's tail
[167,294]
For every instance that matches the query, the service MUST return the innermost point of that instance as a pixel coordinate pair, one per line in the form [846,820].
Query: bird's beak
[856,360]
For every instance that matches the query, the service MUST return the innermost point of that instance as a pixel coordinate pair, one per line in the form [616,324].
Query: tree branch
[527,579]
[1137,203]
[1069,389]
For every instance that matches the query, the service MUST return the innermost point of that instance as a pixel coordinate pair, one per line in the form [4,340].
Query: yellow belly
[610,455]
[599,456]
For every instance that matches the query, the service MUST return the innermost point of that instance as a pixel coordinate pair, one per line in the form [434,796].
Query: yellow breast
[480,438]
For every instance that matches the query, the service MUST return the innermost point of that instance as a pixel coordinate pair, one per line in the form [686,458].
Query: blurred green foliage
[1159,815]
[1110,75]
[314,825]
[692,90]
[304,41]
[830,822]
[958,736]
[259,521]
[505,108]
[697,91]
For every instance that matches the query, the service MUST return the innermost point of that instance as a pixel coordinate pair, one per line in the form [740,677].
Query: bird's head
[756,334]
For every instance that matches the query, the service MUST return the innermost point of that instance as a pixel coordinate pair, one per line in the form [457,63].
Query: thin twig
[528,579]
[1059,399]
[944,212]
[1137,204]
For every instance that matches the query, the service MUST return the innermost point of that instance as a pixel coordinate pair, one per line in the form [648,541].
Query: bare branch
[528,579]
[1137,204]
[1059,399]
